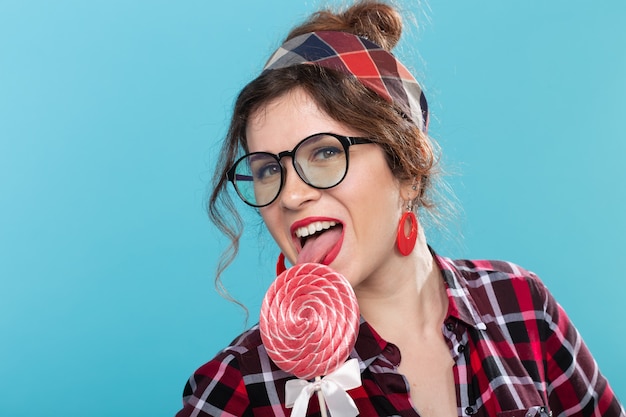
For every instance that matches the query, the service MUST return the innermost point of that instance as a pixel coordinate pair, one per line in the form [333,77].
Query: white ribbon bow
[333,389]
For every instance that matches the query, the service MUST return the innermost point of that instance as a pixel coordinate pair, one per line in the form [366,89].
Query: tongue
[319,245]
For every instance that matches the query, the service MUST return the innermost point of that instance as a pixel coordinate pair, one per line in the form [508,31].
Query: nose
[296,192]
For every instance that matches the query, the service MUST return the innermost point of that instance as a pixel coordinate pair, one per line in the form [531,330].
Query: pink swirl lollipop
[309,320]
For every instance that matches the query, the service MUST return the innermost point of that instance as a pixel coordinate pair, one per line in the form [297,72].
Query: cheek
[380,215]
[274,224]
[373,197]
[270,220]
[372,184]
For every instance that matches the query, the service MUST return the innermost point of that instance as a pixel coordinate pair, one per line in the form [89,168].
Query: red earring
[406,243]
[280,264]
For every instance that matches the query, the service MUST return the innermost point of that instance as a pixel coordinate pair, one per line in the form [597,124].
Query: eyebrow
[261,155]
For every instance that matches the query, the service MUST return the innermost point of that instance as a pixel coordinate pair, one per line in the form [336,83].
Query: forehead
[283,122]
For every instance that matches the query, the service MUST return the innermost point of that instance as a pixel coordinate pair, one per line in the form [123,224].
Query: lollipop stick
[321,400]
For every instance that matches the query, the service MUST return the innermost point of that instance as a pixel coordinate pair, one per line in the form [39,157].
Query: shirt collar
[369,344]
[460,303]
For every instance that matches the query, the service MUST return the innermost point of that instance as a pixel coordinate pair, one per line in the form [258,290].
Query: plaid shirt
[515,351]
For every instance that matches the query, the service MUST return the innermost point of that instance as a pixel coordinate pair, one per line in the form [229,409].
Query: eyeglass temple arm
[357,141]
[241,177]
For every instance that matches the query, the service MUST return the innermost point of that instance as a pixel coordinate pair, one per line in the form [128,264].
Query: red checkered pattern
[515,353]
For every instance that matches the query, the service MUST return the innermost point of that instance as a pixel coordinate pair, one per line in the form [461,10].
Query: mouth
[304,232]
[317,240]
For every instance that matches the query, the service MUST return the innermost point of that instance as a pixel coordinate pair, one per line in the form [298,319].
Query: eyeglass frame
[346,142]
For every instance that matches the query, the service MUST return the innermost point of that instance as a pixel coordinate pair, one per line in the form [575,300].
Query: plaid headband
[374,67]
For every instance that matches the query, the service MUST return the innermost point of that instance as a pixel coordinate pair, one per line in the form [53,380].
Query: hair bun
[378,22]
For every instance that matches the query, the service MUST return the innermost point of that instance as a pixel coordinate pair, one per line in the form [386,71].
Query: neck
[411,296]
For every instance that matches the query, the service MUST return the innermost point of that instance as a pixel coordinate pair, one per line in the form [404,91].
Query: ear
[410,188]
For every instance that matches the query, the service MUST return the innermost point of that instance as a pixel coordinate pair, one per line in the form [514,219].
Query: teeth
[313,228]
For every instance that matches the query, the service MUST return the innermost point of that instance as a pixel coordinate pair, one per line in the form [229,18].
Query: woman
[330,144]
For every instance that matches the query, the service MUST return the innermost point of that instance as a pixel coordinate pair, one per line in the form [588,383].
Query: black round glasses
[321,161]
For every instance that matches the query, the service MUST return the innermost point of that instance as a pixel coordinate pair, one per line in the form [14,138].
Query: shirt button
[544,411]
[469,411]
[461,349]
[450,326]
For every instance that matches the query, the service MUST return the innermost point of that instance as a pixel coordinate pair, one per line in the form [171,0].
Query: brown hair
[409,151]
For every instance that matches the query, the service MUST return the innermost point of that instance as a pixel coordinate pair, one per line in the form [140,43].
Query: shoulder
[239,378]
[235,381]
[247,345]
[473,269]
[248,341]
[498,274]
[226,364]
[217,386]
[499,288]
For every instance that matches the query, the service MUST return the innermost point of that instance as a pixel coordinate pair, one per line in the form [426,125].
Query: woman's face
[353,224]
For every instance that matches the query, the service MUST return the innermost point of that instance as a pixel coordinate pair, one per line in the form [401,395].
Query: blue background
[110,117]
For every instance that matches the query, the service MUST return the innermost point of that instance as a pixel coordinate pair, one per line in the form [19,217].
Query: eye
[267,171]
[325,153]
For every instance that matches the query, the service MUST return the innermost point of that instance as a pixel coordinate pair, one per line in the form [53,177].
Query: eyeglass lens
[320,161]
